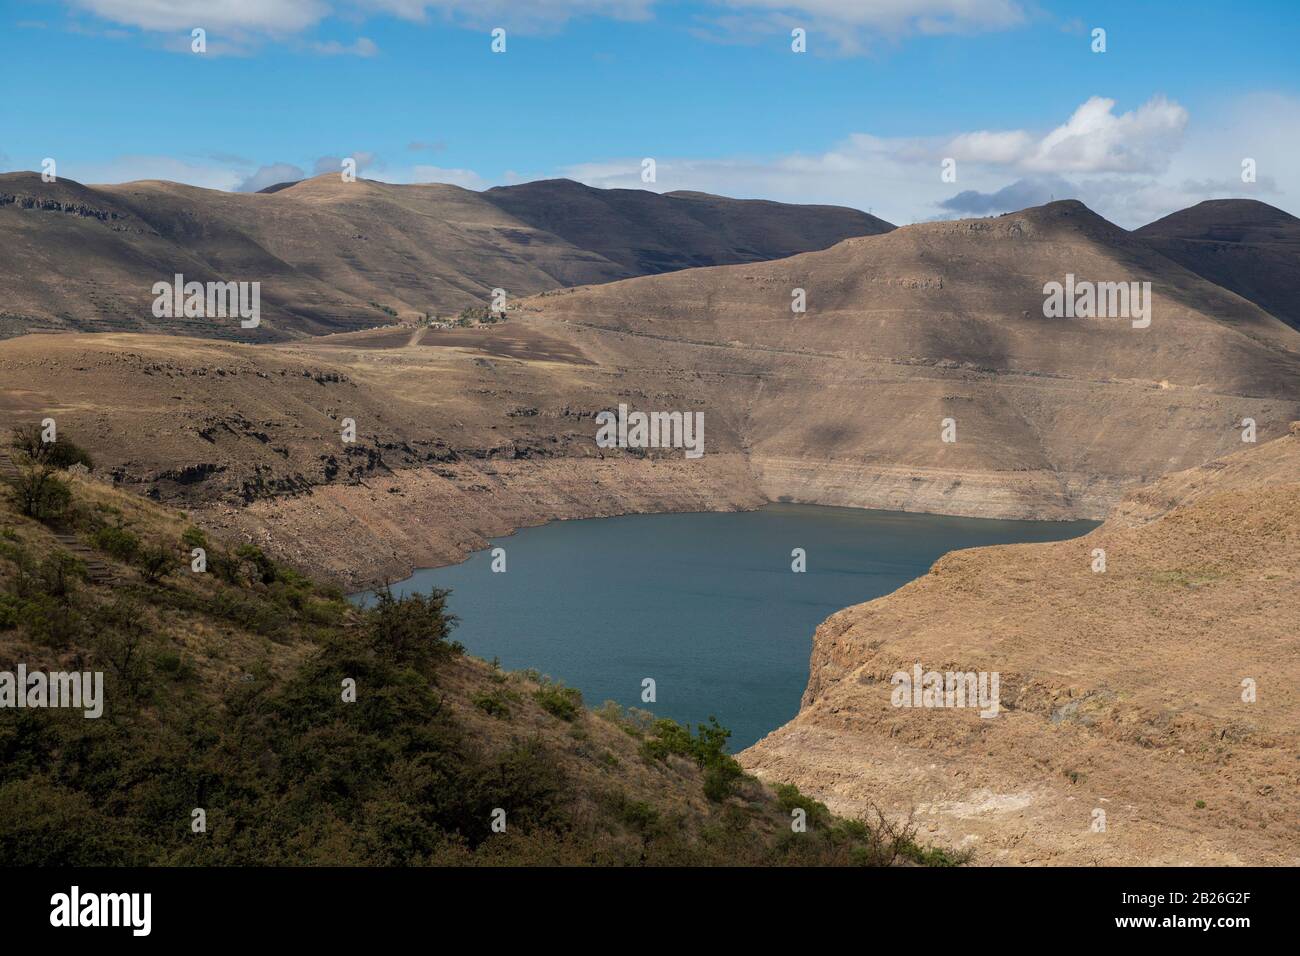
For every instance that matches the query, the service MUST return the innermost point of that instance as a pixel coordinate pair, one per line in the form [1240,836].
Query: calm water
[706,604]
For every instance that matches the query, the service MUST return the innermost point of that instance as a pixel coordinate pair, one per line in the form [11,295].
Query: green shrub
[174,664]
[41,494]
[497,703]
[412,629]
[51,622]
[789,798]
[59,573]
[708,748]
[642,817]
[119,634]
[10,611]
[559,701]
[721,777]
[156,562]
[118,542]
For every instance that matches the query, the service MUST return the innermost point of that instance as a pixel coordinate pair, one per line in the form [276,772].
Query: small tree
[120,631]
[156,562]
[28,441]
[41,493]
[58,572]
[411,629]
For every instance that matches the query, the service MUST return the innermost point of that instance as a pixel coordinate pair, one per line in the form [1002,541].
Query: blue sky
[1010,91]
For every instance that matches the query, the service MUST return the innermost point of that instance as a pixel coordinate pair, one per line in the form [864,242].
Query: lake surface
[705,604]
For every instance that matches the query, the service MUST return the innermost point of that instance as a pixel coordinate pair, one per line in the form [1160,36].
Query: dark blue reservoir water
[705,604]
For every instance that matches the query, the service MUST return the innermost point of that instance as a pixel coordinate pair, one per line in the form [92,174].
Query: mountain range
[333,256]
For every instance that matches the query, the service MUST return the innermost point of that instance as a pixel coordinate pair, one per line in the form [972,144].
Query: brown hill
[1122,691]
[335,256]
[1249,247]
[678,230]
[844,404]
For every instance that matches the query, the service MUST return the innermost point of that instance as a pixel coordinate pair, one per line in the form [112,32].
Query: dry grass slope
[1122,690]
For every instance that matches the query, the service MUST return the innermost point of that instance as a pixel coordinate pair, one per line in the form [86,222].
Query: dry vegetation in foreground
[224,692]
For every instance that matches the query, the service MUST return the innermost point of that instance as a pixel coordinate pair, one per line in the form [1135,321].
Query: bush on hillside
[27,441]
[413,629]
[41,494]
[117,541]
[559,701]
[708,748]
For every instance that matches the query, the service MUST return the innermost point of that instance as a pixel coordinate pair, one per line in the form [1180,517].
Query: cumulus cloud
[1095,140]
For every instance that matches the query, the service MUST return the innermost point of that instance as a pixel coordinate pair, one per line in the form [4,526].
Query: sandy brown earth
[1122,691]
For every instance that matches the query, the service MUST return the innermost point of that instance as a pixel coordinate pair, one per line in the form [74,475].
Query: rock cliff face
[380,528]
[1125,693]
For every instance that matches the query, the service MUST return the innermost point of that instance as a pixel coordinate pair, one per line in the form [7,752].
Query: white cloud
[282,18]
[855,26]
[987,147]
[532,15]
[846,25]
[271,16]
[1095,140]
[1130,167]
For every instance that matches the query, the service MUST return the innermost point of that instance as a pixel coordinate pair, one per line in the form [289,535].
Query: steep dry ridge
[843,405]
[1249,247]
[1122,691]
[332,255]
